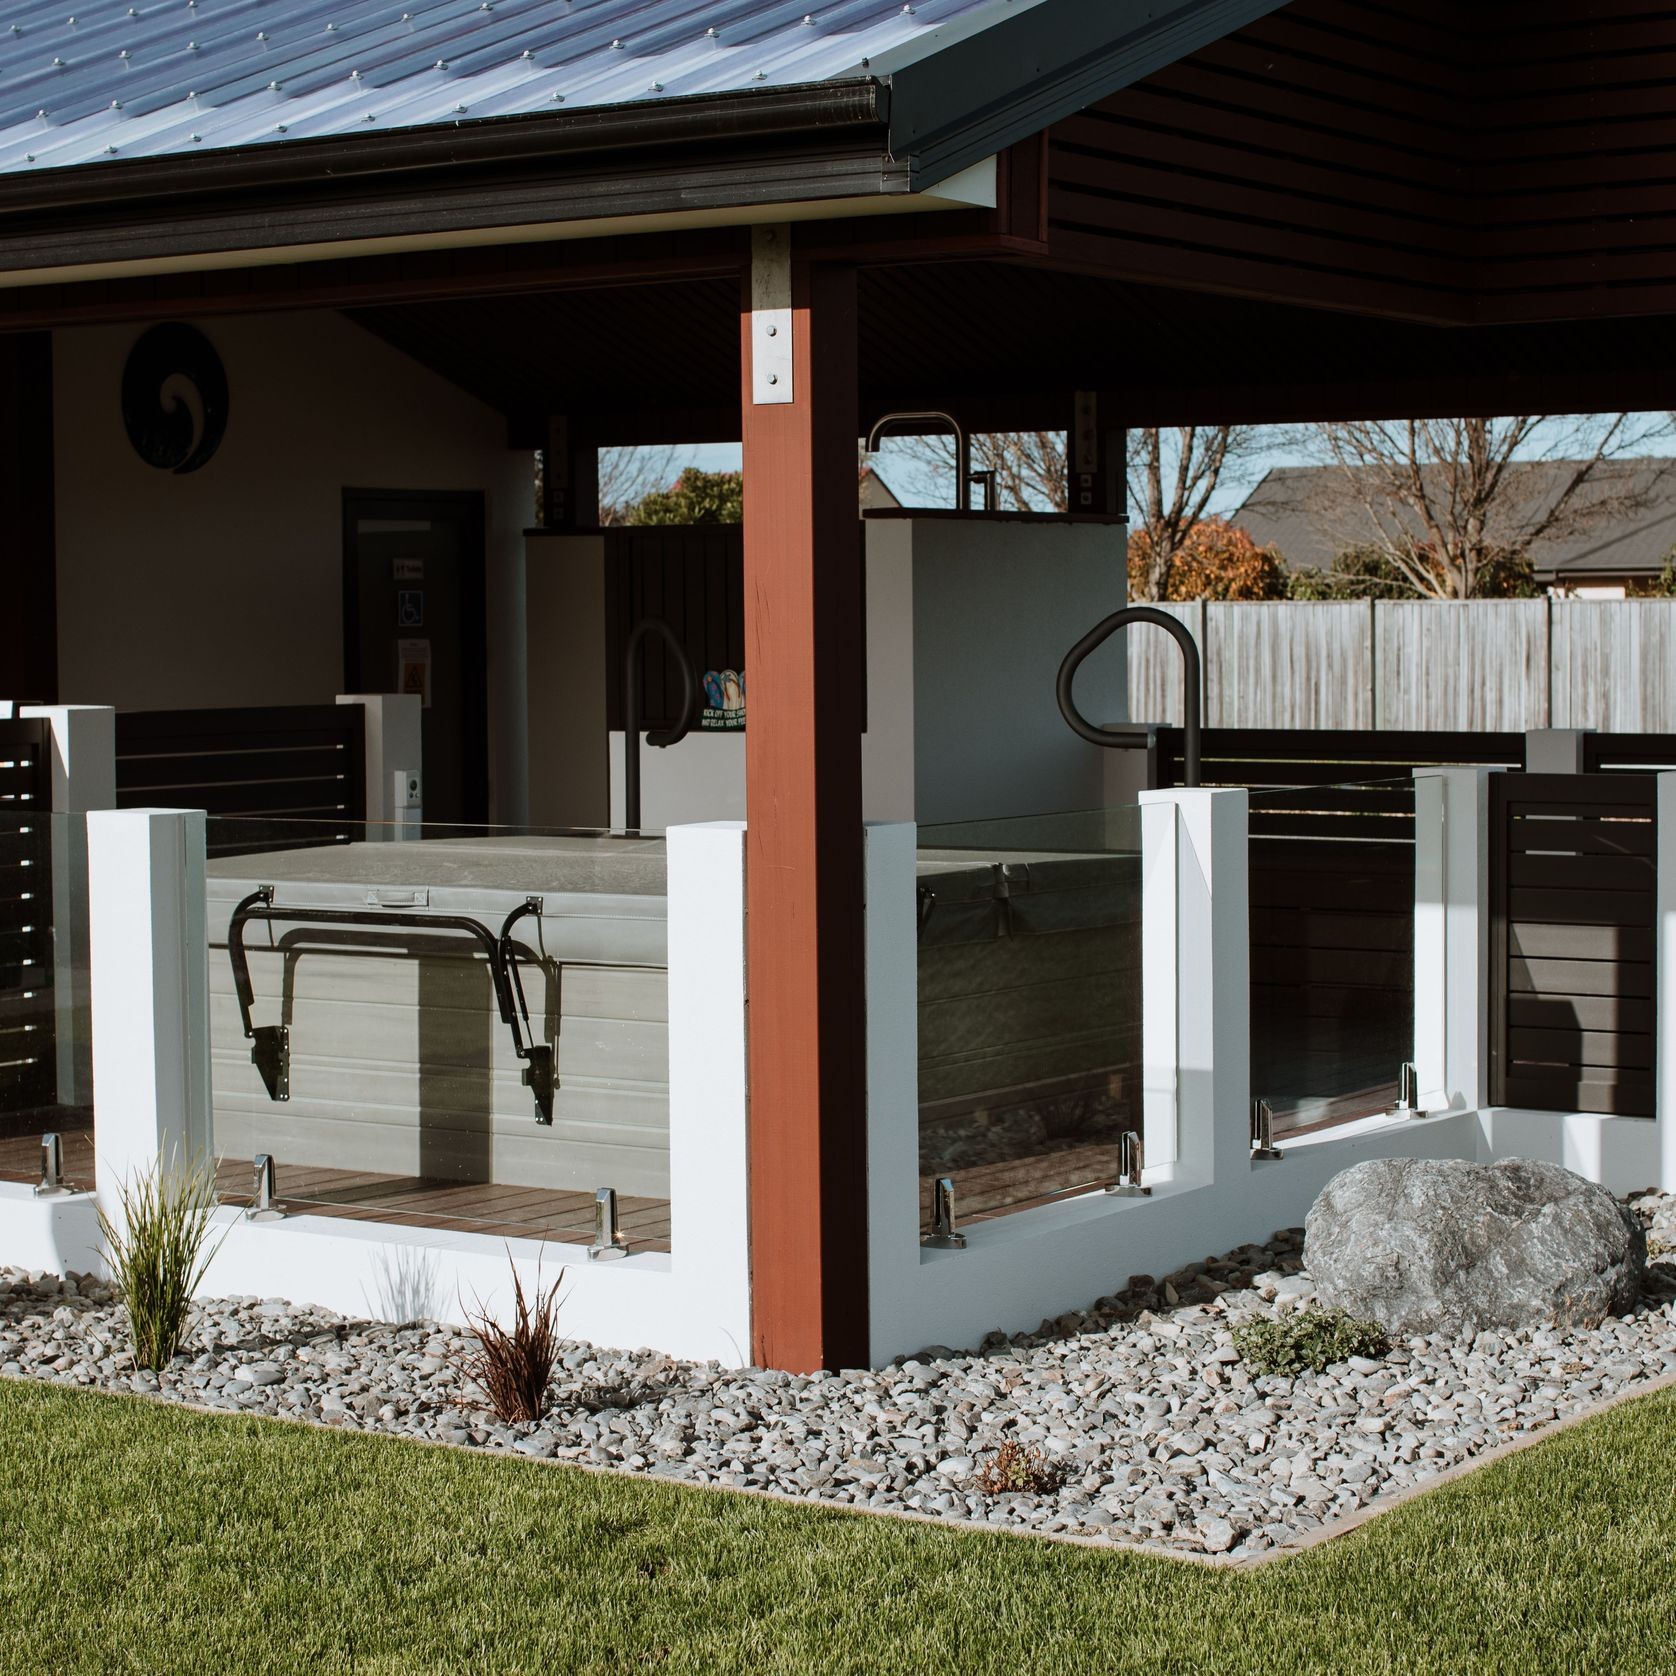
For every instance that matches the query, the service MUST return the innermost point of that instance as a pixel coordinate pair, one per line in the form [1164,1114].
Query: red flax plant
[513,1366]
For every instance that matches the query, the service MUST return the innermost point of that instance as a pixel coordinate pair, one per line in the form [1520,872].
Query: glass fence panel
[1029,1006]
[458,1027]
[46,1048]
[1332,949]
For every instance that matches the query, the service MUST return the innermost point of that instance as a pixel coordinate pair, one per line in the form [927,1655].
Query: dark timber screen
[285,763]
[28,1069]
[1572,889]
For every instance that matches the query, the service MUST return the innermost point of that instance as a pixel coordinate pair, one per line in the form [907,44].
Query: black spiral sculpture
[160,425]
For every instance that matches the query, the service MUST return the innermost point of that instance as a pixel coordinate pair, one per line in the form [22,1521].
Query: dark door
[413,621]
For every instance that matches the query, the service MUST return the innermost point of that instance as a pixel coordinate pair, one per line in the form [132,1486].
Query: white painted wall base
[60,1236]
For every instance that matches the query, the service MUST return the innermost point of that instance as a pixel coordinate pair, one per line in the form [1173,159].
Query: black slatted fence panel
[282,764]
[1573,875]
[28,1068]
[1632,753]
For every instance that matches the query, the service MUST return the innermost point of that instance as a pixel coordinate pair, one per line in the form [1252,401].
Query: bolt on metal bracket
[1263,1149]
[1129,1166]
[944,1236]
[608,1235]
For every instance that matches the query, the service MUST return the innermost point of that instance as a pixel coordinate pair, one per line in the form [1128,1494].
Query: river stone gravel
[1153,1430]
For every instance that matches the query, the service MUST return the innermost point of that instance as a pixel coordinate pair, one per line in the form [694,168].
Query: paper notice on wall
[413,669]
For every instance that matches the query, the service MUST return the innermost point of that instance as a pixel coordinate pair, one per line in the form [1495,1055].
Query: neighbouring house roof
[1621,523]
[876,494]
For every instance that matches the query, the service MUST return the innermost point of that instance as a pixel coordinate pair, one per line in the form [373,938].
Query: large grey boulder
[1425,1245]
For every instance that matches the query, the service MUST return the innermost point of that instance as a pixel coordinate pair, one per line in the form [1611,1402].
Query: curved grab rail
[661,738]
[1192,691]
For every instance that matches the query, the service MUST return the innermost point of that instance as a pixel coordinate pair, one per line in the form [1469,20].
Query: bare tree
[1174,472]
[627,476]
[1448,500]
[1029,466]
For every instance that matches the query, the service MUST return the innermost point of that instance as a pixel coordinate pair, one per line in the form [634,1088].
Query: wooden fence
[1498,665]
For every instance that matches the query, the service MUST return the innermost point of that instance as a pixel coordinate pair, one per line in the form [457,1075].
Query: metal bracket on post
[1408,1092]
[1129,1166]
[608,1236]
[51,1185]
[1263,1149]
[943,1236]
[262,1206]
[771,349]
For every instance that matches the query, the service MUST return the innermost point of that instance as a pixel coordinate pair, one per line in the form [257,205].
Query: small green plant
[513,1366]
[1015,1467]
[1306,1342]
[156,1247]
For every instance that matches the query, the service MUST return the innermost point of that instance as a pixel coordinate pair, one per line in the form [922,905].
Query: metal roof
[86,81]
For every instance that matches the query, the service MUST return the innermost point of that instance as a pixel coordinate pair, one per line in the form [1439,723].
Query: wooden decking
[20,1154]
[498,1209]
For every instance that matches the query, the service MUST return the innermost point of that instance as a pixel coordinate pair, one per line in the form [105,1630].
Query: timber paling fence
[1419,665]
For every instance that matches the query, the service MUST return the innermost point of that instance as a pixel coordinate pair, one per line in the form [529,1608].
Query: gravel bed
[1151,1427]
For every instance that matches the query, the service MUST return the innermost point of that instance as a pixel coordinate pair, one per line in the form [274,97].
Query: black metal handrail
[272,1042]
[633,714]
[1192,686]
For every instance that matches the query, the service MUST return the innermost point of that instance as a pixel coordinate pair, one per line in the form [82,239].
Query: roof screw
[459,110]
[273,87]
[354,75]
[558,98]
[58,63]
[196,138]
[191,46]
[29,157]
[442,63]
[710,34]
[809,17]
[526,53]
[657,87]
[261,34]
[617,46]
[123,53]
[279,128]
[111,150]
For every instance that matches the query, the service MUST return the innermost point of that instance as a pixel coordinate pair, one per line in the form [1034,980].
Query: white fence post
[150,992]
[892,1210]
[709,1166]
[83,779]
[393,723]
[1664,1025]
[1196,961]
[1452,938]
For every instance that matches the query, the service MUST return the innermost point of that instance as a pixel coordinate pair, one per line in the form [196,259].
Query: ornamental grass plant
[513,1366]
[157,1248]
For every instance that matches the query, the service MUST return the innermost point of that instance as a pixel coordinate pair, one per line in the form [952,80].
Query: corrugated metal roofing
[85,81]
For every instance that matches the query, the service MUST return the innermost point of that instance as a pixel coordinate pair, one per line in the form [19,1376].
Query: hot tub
[381,1043]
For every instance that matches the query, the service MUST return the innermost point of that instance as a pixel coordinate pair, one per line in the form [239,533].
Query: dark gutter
[712,151]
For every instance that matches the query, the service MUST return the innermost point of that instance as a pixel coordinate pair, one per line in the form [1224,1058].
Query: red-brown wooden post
[803,639]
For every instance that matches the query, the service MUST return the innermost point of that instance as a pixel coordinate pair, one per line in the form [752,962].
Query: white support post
[1197,959]
[1160,1039]
[393,748]
[1452,938]
[892,978]
[1664,1039]
[150,991]
[83,779]
[708,1160]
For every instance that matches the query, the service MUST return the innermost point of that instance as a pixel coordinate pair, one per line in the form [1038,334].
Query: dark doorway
[413,621]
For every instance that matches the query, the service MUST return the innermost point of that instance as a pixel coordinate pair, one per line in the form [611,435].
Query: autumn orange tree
[1212,559]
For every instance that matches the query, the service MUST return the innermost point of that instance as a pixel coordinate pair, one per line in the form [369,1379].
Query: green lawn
[138,1537]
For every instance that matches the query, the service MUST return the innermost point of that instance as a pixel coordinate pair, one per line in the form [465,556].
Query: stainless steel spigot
[1408,1092]
[262,1206]
[608,1236]
[943,1236]
[51,1185]
[1130,1163]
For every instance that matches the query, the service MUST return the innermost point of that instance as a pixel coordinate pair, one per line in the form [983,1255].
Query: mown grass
[138,1537]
